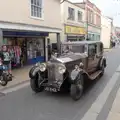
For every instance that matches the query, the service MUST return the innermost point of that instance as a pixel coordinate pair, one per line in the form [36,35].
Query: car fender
[75,74]
[103,61]
[33,72]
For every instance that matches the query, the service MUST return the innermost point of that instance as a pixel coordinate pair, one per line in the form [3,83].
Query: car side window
[92,49]
[101,47]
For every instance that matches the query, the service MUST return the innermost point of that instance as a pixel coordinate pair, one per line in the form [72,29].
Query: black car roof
[81,42]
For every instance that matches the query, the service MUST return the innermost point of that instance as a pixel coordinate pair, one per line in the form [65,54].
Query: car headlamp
[42,67]
[61,69]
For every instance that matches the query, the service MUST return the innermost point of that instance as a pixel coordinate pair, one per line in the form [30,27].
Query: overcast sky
[108,7]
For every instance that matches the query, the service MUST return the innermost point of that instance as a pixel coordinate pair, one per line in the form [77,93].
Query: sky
[109,8]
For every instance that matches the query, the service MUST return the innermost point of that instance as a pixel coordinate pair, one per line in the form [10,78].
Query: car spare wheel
[35,87]
[76,89]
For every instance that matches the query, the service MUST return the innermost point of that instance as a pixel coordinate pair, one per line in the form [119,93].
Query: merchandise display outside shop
[25,51]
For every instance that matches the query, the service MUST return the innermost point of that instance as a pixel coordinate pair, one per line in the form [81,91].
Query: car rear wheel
[102,69]
[76,89]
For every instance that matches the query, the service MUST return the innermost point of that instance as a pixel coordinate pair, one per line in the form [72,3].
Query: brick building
[93,19]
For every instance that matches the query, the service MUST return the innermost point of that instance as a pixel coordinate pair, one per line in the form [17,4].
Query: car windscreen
[73,48]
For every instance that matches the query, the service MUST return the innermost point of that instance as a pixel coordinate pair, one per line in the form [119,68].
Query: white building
[27,24]
[73,18]
[106,31]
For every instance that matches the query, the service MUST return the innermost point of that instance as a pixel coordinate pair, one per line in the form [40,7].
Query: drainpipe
[86,22]
[58,43]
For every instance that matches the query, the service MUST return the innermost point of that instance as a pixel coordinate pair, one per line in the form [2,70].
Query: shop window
[5,41]
[80,16]
[36,8]
[97,37]
[71,13]
[35,48]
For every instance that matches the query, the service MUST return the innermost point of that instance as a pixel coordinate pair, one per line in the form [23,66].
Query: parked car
[78,64]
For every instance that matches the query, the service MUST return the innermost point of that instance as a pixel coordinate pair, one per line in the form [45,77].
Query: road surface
[24,104]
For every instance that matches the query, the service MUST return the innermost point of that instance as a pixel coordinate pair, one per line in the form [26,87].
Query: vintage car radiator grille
[53,74]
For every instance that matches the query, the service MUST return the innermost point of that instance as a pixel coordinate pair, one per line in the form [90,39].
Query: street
[24,104]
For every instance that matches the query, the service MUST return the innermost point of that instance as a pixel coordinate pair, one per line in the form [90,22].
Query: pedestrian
[6,58]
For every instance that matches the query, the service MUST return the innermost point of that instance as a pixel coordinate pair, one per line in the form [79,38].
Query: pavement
[114,113]
[20,77]
[97,103]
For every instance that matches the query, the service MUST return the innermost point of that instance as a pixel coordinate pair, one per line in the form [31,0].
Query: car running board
[95,75]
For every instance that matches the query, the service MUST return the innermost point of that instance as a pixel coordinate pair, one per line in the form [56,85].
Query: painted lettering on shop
[74,30]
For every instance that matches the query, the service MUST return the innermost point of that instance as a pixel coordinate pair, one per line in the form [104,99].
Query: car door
[92,63]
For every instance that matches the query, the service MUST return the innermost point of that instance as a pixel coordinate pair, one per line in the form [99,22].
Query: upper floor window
[36,8]
[98,20]
[80,16]
[71,13]
[90,17]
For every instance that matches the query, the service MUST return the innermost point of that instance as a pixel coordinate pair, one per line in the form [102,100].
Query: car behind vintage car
[76,66]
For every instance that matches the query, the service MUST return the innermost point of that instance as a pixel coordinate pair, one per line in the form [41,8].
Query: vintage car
[78,64]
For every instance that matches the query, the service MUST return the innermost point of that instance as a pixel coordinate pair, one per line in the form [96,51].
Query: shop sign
[24,34]
[74,30]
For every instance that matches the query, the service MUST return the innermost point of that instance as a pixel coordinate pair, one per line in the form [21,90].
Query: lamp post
[87,26]
[86,22]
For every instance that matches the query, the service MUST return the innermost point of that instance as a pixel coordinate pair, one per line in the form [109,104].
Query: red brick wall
[98,20]
[95,17]
[90,11]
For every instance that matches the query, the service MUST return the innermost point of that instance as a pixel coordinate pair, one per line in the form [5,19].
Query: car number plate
[51,89]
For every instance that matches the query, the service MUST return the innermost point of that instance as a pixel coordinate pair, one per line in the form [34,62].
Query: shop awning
[24,34]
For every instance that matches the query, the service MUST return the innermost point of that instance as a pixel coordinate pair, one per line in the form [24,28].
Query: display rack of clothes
[15,53]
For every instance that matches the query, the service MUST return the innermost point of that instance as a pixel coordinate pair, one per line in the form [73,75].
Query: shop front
[94,33]
[75,33]
[25,47]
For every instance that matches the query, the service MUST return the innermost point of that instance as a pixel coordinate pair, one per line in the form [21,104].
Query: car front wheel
[76,89]
[35,87]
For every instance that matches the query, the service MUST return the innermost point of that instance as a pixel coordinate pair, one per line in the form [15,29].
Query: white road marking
[9,90]
[100,101]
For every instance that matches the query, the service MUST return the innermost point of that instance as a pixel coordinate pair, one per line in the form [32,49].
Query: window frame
[69,14]
[81,16]
[41,7]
